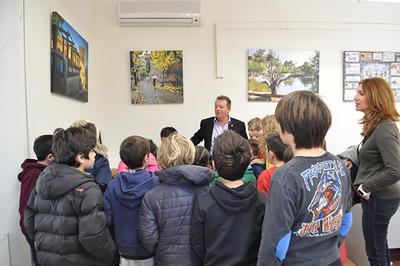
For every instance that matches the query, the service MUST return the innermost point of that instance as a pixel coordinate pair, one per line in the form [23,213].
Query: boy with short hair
[31,169]
[308,207]
[64,216]
[275,156]
[123,198]
[227,219]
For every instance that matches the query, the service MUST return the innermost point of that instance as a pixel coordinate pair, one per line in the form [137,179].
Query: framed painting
[275,73]
[156,77]
[69,60]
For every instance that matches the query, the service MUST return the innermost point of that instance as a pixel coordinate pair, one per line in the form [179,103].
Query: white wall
[13,136]
[109,45]
[48,111]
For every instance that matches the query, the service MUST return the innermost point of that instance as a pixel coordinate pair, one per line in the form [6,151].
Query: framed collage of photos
[359,65]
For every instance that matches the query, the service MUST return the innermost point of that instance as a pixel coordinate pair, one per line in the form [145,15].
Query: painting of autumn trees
[275,73]
[156,77]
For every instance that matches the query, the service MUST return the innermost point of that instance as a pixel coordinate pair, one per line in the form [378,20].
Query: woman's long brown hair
[381,103]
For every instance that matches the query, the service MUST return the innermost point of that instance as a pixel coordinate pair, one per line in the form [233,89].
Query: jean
[376,216]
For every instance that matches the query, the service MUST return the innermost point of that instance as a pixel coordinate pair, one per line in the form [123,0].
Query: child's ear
[213,165]
[146,161]
[80,159]
[50,157]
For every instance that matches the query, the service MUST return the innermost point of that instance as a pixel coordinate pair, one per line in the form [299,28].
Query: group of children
[190,210]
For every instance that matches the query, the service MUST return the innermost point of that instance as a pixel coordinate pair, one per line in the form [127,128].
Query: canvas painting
[69,60]
[359,65]
[275,73]
[156,77]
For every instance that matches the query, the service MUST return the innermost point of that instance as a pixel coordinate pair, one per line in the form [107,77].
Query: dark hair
[153,147]
[42,146]
[255,149]
[69,143]
[275,144]
[224,98]
[201,156]
[231,155]
[288,154]
[304,115]
[133,150]
[166,131]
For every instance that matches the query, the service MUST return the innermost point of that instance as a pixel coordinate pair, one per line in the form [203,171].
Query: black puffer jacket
[166,212]
[65,218]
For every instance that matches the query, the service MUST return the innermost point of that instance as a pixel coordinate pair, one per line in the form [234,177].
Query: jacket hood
[28,165]
[186,174]
[234,199]
[58,179]
[131,186]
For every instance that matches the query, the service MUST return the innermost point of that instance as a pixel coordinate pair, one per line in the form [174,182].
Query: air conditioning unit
[159,12]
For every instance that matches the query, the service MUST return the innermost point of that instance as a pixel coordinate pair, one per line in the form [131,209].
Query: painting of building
[69,60]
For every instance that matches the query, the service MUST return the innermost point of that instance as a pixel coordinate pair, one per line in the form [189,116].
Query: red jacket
[31,169]
[264,180]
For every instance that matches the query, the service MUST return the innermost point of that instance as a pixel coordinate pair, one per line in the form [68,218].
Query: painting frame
[273,73]
[359,65]
[68,61]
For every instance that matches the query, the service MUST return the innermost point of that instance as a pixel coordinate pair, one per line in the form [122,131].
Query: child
[166,132]
[101,168]
[64,215]
[123,197]
[275,155]
[257,165]
[166,211]
[31,169]
[202,157]
[308,207]
[227,220]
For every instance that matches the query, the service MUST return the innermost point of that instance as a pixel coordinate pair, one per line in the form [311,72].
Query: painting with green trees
[156,77]
[275,73]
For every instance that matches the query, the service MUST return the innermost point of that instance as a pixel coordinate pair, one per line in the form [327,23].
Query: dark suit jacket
[206,129]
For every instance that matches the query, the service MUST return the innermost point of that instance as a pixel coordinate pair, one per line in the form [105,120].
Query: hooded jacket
[65,218]
[101,171]
[166,212]
[122,204]
[226,225]
[31,169]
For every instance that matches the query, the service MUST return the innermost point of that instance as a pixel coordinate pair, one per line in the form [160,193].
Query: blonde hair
[175,150]
[381,103]
[255,122]
[91,127]
[269,126]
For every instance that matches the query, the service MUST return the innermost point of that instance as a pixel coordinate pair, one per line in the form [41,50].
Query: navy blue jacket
[122,201]
[166,213]
[101,170]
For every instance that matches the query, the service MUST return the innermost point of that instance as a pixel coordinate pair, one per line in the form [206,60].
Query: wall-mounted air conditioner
[159,12]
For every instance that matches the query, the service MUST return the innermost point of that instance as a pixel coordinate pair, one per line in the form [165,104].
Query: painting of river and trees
[275,73]
[69,60]
[156,77]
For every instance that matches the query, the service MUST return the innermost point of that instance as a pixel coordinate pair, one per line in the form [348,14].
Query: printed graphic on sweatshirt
[323,180]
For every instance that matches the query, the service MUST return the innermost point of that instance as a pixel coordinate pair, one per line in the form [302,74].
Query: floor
[395,255]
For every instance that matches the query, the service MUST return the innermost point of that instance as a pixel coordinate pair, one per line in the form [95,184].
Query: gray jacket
[65,218]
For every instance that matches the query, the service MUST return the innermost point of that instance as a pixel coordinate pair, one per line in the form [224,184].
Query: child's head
[275,148]
[255,129]
[231,155]
[202,157]
[305,116]
[74,147]
[254,148]
[153,147]
[89,126]
[175,150]
[42,147]
[288,154]
[166,132]
[134,152]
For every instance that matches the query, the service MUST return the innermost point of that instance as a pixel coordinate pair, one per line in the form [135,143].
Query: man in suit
[212,127]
